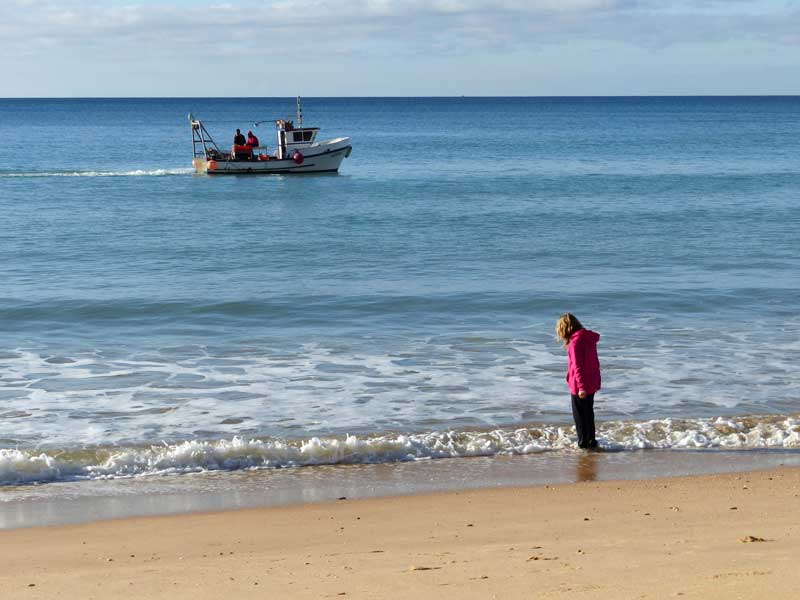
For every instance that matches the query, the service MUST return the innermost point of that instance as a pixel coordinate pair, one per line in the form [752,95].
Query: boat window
[303,136]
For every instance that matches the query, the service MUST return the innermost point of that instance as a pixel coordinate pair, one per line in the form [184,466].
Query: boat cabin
[291,139]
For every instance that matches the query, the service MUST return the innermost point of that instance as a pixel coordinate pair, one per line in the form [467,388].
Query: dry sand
[720,536]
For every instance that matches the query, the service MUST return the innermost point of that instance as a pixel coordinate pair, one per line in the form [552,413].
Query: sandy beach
[718,536]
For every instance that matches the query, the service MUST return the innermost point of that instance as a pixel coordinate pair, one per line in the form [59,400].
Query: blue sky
[398,48]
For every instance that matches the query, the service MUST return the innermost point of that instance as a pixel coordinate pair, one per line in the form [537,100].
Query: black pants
[583,413]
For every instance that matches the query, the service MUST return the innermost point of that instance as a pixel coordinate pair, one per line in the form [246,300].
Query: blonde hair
[566,325]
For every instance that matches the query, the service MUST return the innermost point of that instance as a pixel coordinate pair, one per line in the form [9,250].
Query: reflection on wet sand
[586,469]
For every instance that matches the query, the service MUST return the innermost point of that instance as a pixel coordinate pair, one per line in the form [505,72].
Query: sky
[106,48]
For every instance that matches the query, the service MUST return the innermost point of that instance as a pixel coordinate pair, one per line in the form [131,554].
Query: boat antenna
[299,114]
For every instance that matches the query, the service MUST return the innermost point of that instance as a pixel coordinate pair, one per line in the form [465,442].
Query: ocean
[163,326]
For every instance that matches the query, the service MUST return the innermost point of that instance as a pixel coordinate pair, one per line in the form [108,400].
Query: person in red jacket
[252,140]
[583,374]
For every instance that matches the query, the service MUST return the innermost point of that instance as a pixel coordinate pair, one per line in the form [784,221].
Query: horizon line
[763,95]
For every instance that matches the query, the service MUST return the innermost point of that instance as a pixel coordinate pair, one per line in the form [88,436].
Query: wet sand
[81,501]
[726,536]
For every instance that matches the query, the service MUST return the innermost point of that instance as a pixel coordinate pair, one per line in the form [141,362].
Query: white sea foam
[195,392]
[741,433]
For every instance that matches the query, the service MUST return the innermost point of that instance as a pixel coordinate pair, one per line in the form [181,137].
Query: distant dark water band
[711,176]
[315,307]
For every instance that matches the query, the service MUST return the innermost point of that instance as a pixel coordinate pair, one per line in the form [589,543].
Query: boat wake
[133,173]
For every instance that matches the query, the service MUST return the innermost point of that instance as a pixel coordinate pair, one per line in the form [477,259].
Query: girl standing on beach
[583,374]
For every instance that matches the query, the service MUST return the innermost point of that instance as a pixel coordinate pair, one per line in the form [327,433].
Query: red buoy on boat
[298,158]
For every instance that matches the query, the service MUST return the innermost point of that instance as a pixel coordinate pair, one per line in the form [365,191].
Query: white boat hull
[324,157]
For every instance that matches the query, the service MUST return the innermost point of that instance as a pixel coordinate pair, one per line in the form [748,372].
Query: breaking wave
[741,433]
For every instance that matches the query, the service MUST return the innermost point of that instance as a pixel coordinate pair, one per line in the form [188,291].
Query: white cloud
[384,26]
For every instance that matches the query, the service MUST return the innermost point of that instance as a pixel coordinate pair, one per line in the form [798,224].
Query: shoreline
[704,536]
[66,503]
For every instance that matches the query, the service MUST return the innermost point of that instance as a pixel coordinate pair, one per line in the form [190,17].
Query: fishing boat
[296,151]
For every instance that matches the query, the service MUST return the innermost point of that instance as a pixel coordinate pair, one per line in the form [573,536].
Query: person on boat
[238,139]
[252,140]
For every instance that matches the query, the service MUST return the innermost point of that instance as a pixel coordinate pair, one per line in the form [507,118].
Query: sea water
[159,322]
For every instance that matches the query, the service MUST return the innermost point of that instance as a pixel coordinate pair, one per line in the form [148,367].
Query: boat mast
[299,114]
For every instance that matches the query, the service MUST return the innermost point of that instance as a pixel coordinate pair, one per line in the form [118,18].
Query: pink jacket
[583,368]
